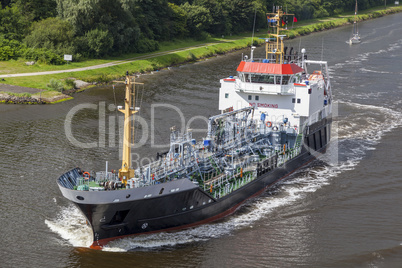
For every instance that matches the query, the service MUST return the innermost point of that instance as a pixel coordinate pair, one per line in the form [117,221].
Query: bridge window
[278,79]
[285,79]
[257,97]
[249,97]
[269,79]
[298,100]
[226,95]
[262,78]
[293,100]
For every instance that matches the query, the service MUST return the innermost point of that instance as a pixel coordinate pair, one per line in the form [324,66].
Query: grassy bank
[107,74]
[168,55]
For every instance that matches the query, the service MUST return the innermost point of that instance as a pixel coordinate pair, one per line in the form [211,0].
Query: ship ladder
[298,140]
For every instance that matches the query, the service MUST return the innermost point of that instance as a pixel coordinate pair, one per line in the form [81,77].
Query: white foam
[364,70]
[395,46]
[358,59]
[70,224]
[374,122]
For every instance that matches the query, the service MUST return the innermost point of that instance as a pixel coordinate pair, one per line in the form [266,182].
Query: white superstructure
[279,86]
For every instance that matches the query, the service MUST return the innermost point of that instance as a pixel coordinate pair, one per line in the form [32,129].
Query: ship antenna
[299,46]
[277,49]
[322,48]
[252,36]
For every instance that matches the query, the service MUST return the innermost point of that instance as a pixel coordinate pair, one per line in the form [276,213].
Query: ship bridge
[279,86]
[263,77]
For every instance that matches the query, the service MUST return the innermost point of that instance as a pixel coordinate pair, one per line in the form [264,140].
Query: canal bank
[107,72]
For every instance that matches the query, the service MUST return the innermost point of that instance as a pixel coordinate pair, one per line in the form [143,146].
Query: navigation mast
[355,31]
[126,172]
[276,49]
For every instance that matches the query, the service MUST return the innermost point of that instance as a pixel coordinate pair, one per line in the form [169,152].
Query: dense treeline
[45,30]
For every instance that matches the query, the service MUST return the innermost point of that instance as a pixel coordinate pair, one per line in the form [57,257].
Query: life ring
[87,173]
[268,124]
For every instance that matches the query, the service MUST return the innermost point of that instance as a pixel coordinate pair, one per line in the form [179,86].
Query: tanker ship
[275,118]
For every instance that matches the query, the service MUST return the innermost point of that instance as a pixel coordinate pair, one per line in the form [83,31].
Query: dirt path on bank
[104,65]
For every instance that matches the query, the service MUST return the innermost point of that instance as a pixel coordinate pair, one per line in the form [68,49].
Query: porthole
[128,196]
[144,225]
[191,207]
[80,197]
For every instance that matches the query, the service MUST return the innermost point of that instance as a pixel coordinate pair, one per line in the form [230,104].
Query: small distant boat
[356,37]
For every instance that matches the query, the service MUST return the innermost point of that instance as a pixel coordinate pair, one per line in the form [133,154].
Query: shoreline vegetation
[54,88]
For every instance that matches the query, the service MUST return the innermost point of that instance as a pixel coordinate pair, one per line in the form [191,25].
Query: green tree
[178,21]
[4,3]
[10,49]
[152,16]
[51,33]
[13,25]
[114,17]
[198,19]
[241,14]
[99,42]
[219,16]
[36,10]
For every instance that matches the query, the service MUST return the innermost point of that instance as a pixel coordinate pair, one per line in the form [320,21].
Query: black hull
[191,207]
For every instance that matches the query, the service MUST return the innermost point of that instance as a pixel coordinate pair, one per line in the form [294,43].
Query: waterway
[345,212]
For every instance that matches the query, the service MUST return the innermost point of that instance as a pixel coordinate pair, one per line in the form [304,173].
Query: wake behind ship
[274,115]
